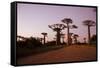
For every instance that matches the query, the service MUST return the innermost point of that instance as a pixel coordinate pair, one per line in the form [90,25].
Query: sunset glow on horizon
[33,19]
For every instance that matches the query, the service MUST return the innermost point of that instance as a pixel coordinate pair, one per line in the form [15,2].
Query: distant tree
[28,43]
[84,40]
[51,43]
[89,23]
[62,36]
[75,38]
[70,38]
[33,42]
[93,39]
[21,41]
[44,34]
[41,39]
[21,38]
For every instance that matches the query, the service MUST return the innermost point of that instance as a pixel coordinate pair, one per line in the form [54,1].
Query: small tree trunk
[44,39]
[89,35]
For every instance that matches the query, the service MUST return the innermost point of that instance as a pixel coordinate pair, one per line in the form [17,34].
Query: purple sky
[34,19]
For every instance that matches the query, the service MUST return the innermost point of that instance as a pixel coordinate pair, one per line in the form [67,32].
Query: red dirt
[67,54]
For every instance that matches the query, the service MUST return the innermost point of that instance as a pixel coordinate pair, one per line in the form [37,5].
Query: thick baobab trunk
[57,28]
[58,37]
[89,35]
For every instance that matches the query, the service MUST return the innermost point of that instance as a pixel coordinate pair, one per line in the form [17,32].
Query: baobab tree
[89,23]
[70,38]
[68,21]
[57,28]
[75,36]
[62,36]
[44,34]
[41,39]
[84,40]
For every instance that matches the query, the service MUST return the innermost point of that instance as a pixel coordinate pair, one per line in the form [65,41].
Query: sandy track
[67,54]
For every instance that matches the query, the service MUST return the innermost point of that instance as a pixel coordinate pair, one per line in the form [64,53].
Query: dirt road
[66,54]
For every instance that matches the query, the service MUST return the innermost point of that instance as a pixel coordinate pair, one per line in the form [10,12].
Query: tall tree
[57,28]
[89,23]
[68,21]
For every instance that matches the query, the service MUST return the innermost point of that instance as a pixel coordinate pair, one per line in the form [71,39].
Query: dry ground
[66,54]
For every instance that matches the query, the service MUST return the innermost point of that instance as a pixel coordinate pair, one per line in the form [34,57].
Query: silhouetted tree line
[33,42]
[93,39]
[29,43]
[51,43]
